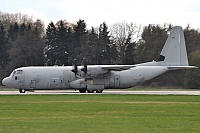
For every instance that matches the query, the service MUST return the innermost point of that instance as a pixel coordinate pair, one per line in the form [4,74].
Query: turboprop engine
[87,71]
[94,71]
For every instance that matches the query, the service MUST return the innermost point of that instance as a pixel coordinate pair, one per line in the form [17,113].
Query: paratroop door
[33,84]
[117,80]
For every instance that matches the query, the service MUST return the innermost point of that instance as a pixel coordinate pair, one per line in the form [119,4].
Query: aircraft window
[19,71]
[13,73]
[15,77]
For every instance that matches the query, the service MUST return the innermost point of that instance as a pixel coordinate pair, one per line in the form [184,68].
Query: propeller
[84,64]
[75,68]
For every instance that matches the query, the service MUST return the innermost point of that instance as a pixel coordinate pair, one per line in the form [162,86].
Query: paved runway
[65,92]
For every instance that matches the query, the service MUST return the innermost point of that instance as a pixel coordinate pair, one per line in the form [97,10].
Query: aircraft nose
[5,81]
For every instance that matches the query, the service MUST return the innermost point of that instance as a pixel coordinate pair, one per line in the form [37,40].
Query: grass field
[99,113]
[4,88]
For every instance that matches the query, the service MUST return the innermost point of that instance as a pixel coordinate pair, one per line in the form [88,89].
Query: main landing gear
[99,91]
[90,91]
[82,90]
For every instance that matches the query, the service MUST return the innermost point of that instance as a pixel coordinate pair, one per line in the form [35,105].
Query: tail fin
[174,51]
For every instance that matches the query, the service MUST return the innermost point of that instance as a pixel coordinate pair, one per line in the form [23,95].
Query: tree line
[25,42]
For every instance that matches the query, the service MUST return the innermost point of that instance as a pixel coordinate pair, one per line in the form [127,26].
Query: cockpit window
[13,74]
[19,71]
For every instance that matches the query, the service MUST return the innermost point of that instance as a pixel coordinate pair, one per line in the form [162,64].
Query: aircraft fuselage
[61,77]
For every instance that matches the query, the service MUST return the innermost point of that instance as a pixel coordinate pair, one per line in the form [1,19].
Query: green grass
[99,113]
[4,88]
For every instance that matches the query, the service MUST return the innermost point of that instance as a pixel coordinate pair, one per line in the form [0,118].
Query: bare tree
[123,31]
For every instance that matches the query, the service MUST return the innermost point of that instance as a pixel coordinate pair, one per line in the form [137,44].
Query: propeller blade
[84,64]
[75,68]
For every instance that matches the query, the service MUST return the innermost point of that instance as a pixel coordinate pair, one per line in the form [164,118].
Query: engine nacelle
[94,71]
[78,84]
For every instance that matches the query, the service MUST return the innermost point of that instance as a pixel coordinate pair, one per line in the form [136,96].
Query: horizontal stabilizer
[180,67]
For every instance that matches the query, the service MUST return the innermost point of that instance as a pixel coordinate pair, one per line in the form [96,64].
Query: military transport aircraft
[92,78]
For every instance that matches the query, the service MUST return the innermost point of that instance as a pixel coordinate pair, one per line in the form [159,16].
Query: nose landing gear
[22,90]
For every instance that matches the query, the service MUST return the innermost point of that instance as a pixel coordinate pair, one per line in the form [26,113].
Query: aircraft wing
[117,67]
[95,70]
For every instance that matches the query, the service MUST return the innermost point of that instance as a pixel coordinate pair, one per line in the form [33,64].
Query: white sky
[95,12]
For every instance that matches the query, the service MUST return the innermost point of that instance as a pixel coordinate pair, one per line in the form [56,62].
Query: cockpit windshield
[17,72]
[13,73]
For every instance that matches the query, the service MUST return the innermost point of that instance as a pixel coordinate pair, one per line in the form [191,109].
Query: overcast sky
[95,12]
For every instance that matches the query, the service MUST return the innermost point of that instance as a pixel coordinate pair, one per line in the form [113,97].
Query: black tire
[90,91]
[82,90]
[99,91]
[22,90]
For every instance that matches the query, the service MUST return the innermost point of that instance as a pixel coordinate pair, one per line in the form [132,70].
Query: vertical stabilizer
[174,51]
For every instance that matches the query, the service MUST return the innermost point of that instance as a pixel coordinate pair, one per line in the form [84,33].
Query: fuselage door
[67,77]
[61,80]
[55,83]
[33,84]
[117,80]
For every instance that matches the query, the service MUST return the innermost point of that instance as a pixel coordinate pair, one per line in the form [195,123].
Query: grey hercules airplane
[92,78]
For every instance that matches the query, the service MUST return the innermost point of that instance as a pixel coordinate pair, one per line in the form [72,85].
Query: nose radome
[5,81]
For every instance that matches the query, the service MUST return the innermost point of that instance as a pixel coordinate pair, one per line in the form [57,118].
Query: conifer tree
[51,42]
[3,47]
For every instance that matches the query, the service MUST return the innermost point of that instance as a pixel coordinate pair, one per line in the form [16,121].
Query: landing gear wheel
[99,91]
[22,90]
[82,90]
[90,91]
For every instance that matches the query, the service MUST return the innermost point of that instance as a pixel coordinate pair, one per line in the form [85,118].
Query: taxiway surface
[65,92]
